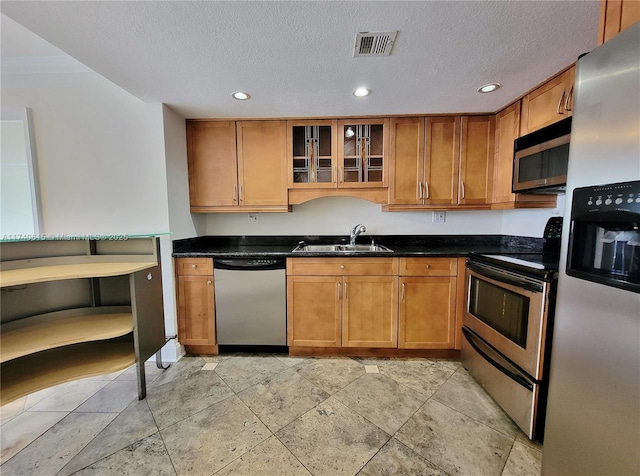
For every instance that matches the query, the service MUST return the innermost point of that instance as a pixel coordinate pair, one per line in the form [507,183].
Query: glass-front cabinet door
[363,153]
[312,154]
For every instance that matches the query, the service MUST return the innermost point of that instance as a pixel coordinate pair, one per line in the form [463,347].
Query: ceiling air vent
[377,43]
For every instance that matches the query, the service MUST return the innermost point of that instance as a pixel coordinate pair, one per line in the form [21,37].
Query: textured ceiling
[295,59]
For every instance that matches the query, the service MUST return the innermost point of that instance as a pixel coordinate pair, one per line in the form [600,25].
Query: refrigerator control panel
[622,197]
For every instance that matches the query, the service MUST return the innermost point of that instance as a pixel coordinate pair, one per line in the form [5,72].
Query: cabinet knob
[341,266]
[209,282]
[194,266]
[428,266]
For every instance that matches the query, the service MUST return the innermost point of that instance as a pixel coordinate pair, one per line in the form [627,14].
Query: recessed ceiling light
[240,96]
[361,92]
[489,88]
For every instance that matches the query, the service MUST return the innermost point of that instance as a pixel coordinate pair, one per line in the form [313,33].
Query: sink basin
[341,249]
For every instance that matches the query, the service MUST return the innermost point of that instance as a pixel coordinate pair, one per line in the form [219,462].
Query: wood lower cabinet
[616,16]
[428,291]
[548,103]
[370,311]
[335,302]
[314,311]
[196,305]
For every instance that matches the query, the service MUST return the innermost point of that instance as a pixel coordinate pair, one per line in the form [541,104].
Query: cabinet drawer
[194,266]
[428,266]
[342,266]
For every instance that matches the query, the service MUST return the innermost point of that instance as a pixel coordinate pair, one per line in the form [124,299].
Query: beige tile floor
[268,415]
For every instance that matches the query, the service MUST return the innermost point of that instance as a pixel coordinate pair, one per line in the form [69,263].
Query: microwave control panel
[621,197]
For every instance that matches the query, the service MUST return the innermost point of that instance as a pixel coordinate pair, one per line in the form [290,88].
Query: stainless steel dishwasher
[251,301]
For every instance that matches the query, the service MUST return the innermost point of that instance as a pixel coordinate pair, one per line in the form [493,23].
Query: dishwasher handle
[250,264]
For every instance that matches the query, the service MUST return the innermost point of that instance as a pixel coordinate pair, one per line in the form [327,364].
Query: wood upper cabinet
[548,103]
[442,160]
[425,159]
[196,306]
[262,163]
[335,302]
[616,16]
[507,130]
[312,153]
[363,153]
[237,166]
[428,290]
[476,160]
[407,160]
[213,169]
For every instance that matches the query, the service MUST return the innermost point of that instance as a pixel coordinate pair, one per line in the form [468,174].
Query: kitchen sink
[304,248]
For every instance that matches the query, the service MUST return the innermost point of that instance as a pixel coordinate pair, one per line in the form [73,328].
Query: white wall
[530,222]
[181,222]
[100,154]
[337,215]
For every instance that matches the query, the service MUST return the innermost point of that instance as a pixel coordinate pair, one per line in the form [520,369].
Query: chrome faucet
[355,232]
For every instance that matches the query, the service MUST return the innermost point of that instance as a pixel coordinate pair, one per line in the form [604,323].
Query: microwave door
[542,165]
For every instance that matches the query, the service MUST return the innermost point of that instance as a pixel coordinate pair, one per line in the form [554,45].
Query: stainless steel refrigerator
[593,413]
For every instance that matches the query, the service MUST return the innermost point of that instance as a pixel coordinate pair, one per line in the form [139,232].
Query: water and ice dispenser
[604,243]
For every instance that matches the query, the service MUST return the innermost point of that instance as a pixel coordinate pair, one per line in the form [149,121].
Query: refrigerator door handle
[494,359]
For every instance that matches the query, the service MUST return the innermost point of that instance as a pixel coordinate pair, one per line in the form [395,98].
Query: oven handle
[471,337]
[506,278]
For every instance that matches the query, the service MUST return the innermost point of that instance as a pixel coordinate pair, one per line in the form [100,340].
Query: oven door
[509,312]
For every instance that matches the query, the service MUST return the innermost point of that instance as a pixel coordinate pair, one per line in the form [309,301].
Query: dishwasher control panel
[249,263]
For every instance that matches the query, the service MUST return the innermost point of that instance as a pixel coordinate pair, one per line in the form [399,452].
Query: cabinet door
[211,156]
[548,103]
[362,153]
[407,160]
[507,128]
[370,311]
[312,154]
[196,310]
[427,312]
[616,16]
[313,310]
[442,159]
[262,163]
[476,160]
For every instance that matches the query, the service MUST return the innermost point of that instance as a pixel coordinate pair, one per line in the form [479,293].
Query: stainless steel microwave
[540,159]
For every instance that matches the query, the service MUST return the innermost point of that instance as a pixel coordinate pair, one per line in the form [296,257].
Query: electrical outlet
[254,218]
[439,217]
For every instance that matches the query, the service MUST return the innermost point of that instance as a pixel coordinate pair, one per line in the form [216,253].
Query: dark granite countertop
[402,245]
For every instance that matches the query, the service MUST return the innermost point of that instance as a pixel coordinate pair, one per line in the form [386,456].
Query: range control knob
[599,201]
[608,201]
[618,201]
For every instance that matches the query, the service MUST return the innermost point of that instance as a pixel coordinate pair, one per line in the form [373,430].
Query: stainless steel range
[507,328]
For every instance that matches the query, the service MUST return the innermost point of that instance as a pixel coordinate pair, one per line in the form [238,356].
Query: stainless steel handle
[568,100]
[426,189]
[559,108]
[338,289]
[235,190]
[419,190]
[209,282]
[345,291]
[241,194]
[462,190]
[402,294]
